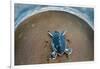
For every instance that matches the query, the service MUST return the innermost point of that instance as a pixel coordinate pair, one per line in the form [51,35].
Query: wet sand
[32,42]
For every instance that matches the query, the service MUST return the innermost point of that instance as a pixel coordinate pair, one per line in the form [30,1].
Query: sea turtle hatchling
[59,45]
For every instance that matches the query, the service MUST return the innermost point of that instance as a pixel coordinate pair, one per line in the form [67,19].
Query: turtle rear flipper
[68,51]
[53,55]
